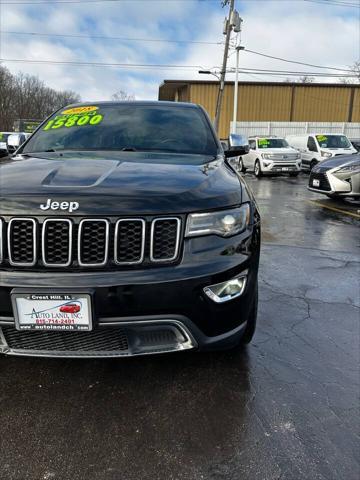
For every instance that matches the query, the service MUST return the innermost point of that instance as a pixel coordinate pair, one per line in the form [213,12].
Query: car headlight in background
[325,154]
[351,169]
[266,155]
[224,223]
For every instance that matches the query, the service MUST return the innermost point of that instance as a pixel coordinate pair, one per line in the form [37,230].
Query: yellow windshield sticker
[321,138]
[263,142]
[79,110]
[70,120]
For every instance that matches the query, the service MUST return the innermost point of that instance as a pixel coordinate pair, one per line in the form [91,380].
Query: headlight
[298,156]
[224,223]
[266,155]
[349,169]
[325,154]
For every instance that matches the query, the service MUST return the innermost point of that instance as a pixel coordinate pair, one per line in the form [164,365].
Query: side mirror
[238,145]
[14,141]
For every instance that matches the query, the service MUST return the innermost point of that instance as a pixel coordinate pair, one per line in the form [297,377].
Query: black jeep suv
[125,231]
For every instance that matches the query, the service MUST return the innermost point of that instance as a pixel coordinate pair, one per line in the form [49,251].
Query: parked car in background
[337,177]
[317,147]
[3,145]
[269,156]
[15,140]
[355,142]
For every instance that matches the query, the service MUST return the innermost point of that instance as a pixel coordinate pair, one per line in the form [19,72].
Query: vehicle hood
[124,183]
[282,151]
[337,162]
[339,151]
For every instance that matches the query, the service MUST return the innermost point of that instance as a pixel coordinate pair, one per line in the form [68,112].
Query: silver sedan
[337,177]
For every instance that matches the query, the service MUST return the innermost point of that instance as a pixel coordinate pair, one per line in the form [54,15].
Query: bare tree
[355,69]
[306,79]
[25,96]
[122,96]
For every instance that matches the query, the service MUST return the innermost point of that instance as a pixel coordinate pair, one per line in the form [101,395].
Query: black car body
[116,232]
[337,177]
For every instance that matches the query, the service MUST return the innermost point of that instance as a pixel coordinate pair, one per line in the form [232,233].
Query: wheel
[241,167]
[257,169]
[251,323]
[294,174]
[312,164]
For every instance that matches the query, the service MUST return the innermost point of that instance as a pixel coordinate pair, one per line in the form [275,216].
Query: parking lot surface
[286,407]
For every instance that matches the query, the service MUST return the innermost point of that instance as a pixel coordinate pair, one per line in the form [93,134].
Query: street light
[209,72]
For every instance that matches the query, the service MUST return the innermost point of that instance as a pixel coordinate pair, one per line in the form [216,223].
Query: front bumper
[335,186]
[156,310]
[271,167]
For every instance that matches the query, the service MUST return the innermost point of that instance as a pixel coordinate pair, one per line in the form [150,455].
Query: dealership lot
[285,407]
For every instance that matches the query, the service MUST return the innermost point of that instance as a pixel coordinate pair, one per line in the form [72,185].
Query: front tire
[241,167]
[257,169]
[312,164]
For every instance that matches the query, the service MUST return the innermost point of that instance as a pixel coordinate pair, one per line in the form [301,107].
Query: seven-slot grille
[61,242]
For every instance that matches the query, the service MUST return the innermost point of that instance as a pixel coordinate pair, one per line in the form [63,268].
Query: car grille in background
[98,340]
[323,181]
[284,156]
[97,243]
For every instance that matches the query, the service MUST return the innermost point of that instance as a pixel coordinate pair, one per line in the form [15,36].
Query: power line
[294,61]
[176,67]
[159,40]
[100,64]
[54,2]
[102,37]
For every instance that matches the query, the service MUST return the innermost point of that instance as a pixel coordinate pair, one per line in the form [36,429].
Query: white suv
[270,155]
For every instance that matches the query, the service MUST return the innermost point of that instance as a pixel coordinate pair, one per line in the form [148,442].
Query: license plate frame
[52,310]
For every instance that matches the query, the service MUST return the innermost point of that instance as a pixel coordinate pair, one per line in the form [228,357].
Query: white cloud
[306,32]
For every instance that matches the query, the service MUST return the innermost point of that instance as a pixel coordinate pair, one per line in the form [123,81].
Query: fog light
[225,291]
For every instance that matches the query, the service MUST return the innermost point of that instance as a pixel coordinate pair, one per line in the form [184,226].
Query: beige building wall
[271,102]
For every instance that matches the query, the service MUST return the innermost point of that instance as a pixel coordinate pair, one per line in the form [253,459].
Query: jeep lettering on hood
[69,206]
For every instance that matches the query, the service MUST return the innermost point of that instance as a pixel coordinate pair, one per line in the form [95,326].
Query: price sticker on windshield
[263,142]
[75,117]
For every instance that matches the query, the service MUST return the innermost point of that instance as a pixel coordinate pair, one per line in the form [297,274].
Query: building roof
[168,88]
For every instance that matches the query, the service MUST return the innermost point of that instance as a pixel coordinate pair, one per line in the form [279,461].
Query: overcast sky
[306,31]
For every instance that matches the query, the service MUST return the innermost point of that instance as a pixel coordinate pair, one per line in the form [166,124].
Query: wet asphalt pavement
[286,407]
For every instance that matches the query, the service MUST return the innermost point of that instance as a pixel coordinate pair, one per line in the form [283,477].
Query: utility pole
[224,64]
[238,47]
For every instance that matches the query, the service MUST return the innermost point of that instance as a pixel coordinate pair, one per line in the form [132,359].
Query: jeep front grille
[89,243]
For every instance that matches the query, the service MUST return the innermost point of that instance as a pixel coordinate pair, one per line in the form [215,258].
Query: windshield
[272,143]
[333,141]
[4,136]
[126,127]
